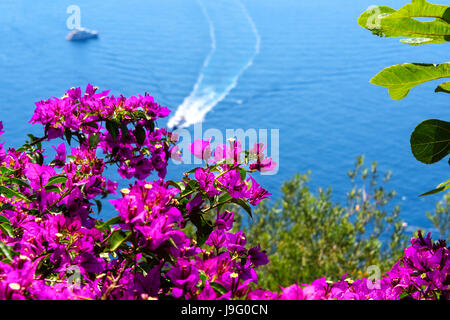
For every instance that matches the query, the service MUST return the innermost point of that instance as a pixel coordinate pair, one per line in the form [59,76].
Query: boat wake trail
[235,42]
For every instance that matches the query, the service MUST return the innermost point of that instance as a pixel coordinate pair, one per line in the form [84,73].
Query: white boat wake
[230,56]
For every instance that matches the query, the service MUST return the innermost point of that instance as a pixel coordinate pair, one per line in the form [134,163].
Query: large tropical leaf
[430,141]
[445,87]
[388,22]
[423,8]
[401,78]
[440,188]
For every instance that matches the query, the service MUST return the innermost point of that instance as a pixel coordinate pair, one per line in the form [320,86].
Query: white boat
[81,34]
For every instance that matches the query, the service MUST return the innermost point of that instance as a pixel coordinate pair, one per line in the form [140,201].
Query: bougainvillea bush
[52,247]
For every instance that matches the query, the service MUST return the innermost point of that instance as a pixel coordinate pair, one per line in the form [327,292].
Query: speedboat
[82,34]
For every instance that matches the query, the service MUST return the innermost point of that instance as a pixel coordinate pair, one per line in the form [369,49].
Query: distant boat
[81,34]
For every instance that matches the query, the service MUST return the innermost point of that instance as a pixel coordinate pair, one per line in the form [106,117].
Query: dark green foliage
[307,236]
[441,217]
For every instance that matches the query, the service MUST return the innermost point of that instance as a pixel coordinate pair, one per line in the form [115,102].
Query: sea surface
[299,66]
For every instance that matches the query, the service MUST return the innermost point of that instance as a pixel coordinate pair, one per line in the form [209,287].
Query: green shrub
[441,217]
[307,236]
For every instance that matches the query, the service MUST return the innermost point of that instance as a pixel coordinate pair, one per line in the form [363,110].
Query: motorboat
[82,34]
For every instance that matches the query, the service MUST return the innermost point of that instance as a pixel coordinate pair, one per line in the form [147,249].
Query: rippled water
[308,78]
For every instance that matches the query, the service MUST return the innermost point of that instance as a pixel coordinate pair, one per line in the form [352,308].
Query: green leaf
[35,141]
[56,179]
[6,171]
[94,139]
[6,227]
[177,184]
[52,189]
[138,114]
[99,205]
[388,22]
[441,187]
[4,219]
[112,221]
[445,87]
[124,129]
[151,125]
[434,191]
[7,251]
[220,289]
[117,238]
[423,8]
[225,196]
[113,127]
[192,185]
[187,187]
[139,133]
[430,141]
[101,225]
[18,181]
[9,193]
[401,78]
[68,135]
[93,125]
[6,206]
[24,148]
[404,295]
[172,242]
[223,199]
[38,158]
[203,226]
[244,205]
[192,170]
[243,173]
[202,276]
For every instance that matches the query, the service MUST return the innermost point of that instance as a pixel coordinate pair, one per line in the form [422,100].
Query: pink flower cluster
[124,128]
[52,247]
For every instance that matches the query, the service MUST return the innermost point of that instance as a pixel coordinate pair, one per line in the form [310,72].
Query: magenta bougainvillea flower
[201,149]
[165,239]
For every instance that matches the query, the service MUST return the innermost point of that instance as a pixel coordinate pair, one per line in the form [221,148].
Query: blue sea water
[302,67]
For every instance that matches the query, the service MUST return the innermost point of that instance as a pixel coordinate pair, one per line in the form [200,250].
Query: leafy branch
[430,140]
